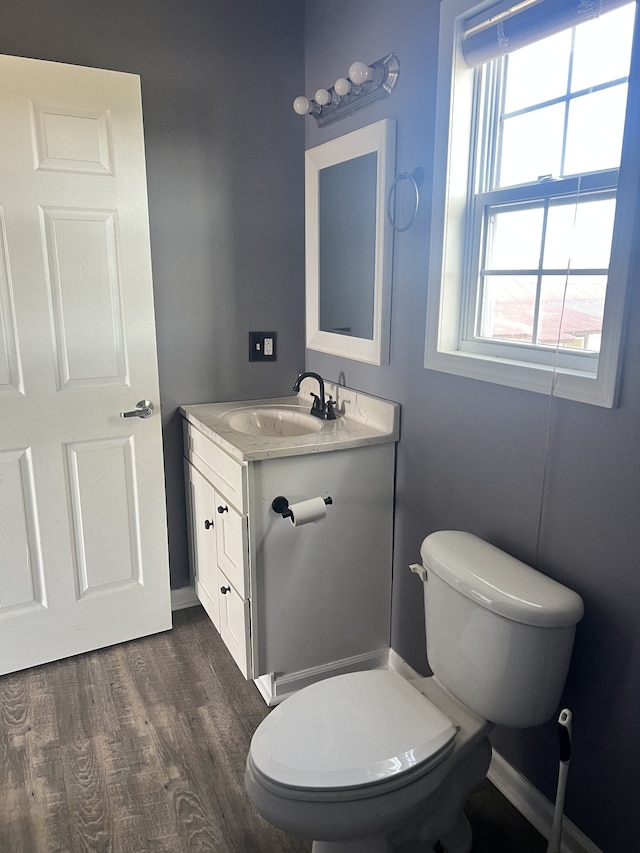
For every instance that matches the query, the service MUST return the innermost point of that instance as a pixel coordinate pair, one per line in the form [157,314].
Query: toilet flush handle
[419,570]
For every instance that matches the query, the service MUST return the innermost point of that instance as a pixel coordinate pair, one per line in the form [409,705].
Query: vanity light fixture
[365,84]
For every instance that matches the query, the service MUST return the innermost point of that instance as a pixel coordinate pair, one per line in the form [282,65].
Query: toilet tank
[499,633]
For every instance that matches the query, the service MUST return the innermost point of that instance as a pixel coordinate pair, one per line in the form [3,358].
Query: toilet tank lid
[499,582]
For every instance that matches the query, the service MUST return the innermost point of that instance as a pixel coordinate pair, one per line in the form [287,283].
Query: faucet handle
[330,413]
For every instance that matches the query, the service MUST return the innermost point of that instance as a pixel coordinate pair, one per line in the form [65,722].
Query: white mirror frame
[380,138]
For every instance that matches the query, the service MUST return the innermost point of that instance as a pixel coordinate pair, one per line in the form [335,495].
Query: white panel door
[83,541]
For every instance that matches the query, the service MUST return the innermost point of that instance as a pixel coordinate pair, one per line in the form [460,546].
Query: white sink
[273,421]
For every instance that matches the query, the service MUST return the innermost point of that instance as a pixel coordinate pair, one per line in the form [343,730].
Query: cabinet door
[235,621]
[232,544]
[203,520]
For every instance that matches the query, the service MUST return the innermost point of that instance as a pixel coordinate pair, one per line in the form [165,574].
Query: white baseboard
[535,807]
[183,598]
[275,688]
[400,665]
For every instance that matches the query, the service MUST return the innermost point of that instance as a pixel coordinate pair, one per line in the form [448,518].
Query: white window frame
[447,307]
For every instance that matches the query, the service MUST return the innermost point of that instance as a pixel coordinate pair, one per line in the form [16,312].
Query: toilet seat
[349,731]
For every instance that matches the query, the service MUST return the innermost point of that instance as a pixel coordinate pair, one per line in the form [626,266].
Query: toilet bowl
[350,760]
[369,761]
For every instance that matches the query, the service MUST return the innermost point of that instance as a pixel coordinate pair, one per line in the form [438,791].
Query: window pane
[594,135]
[609,39]
[579,235]
[531,146]
[508,308]
[571,309]
[514,239]
[538,72]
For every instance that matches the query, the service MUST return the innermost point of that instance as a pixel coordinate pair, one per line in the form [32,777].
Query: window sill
[596,390]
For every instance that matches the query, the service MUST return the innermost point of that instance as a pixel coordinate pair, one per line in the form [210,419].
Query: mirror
[349,243]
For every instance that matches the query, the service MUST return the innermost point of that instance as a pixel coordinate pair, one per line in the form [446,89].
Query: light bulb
[342,86]
[359,73]
[323,97]
[301,105]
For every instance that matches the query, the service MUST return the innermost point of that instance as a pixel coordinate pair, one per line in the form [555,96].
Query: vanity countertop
[361,420]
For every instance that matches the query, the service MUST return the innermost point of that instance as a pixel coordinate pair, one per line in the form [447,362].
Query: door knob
[225,589]
[143,409]
[207,524]
[222,509]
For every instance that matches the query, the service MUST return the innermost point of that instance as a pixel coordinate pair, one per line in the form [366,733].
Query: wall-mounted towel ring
[416,179]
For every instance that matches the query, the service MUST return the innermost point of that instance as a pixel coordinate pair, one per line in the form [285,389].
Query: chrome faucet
[320,408]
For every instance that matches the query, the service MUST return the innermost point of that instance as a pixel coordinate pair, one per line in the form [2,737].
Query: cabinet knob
[222,509]
[207,524]
[225,589]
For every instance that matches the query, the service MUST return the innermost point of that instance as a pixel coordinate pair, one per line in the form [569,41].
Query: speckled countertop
[361,420]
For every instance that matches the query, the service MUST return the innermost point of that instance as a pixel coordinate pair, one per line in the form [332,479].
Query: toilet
[370,762]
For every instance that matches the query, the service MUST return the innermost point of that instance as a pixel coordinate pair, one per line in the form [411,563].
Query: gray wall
[225,158]
[472,454]
[225,170]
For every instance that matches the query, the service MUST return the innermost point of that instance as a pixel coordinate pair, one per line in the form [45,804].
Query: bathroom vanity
[293,603]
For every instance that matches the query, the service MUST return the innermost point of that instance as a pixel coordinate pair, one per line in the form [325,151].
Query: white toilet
[368,761]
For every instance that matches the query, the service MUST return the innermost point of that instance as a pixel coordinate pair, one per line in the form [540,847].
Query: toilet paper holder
[281,505]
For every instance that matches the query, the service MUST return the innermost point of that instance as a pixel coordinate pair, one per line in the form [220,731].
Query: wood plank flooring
[140,748]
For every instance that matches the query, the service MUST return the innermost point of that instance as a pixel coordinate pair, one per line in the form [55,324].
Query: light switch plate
[263,346]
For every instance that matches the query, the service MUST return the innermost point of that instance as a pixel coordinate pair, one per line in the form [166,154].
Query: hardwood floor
[140,748]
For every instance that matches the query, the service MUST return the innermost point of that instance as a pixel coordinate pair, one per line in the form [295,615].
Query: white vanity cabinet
[292,603]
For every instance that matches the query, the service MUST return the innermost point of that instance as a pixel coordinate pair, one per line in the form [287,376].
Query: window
[531,238]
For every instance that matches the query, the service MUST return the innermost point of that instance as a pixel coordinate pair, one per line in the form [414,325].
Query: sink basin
[272,427]
[273,421]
